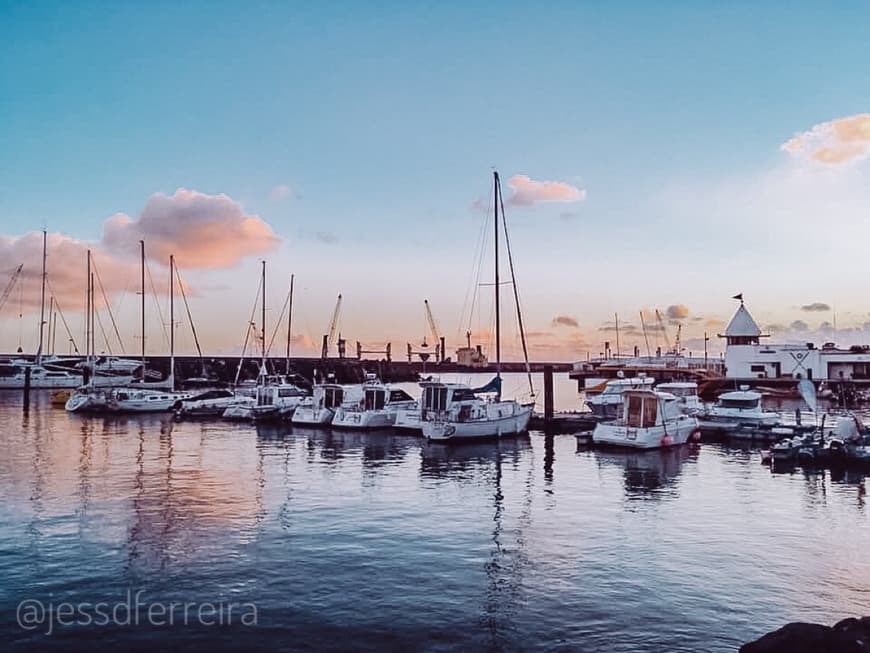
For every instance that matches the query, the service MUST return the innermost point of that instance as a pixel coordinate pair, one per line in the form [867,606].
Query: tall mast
[497,288]
[50,314]
[263,320]
[172,322]
[616,315]
[289,324]
[88,313]
[142,288]
[42,301]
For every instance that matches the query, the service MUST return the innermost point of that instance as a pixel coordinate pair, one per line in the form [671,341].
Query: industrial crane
[439,340]
[330,335]
[9,286]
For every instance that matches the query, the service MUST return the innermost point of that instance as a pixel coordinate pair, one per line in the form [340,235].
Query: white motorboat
[738,411]
[378,408]
[276,397]
[456,412]
[686,393]
[319,409]
[608,404]
[40,378]
[650,420]
[408,418]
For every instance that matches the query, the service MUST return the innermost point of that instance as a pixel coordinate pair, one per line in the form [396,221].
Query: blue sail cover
[492,386]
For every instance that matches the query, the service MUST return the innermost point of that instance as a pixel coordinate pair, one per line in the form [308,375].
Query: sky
[653,156]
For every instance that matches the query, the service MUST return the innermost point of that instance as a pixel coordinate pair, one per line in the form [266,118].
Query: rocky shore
[846,636]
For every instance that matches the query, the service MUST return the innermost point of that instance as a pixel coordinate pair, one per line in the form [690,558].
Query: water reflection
[649,474]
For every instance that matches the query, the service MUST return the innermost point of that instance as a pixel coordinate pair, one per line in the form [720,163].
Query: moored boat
[377,409]
[650,419]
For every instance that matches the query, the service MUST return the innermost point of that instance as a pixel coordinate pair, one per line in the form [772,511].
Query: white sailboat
[41,376]
[275,396]
[455,411]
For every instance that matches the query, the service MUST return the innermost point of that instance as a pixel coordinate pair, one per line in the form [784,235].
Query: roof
[742,325]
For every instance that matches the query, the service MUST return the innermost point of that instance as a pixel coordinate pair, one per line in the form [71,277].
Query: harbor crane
[9,286]
[439,339]
[330,335]
[436,336]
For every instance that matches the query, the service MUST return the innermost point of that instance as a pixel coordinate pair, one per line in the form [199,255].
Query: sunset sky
[653,156]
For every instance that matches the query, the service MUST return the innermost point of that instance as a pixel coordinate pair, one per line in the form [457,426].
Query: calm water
[379,541]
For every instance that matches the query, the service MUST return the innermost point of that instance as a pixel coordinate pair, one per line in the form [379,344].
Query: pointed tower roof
[742,325]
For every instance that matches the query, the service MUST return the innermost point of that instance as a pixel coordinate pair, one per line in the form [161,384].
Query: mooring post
[26,388]
[548,395]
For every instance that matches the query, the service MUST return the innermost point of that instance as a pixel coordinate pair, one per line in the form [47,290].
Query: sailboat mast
[263,320]
[172,322]
[142,289]
[88,313]
[616,315]
[495,186]
[289,324]
[42,300]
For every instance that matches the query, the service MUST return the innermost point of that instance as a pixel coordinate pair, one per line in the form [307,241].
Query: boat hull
[408,420]
[363,419]
[497,425]
[675,433]
[313,416]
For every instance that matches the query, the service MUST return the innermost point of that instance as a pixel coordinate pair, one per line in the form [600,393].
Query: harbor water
[334,541]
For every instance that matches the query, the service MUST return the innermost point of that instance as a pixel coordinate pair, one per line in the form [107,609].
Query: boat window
[375,399]
[739,403]
[435,398]
[635,411]
[288,392]
[650,412]
[400,395]
[463,394]
[332,397]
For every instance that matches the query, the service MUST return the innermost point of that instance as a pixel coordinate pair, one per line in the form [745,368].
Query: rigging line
[189,317]
[278,324]
[157,304]
[248,334]
[507,241]
[476,263]
[62,318]
[103,331]
[108,307]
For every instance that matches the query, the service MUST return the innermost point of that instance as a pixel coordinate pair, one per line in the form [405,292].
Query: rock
[847,636]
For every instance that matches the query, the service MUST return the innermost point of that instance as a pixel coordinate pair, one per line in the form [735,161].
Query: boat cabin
[378,397]
[646,408]
[440,396]
[740,400]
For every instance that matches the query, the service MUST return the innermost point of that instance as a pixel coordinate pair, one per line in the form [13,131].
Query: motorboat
[132,400]
[275,397]
[319,409]
[738,411]
[608,404]
[650,419]
[378,408]
[686,393]
[15,377]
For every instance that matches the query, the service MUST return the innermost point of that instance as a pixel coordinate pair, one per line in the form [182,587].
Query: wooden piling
[548,395]
[26,388]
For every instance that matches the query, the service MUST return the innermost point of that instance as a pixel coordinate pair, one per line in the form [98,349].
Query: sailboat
[454,411]
[41,374]
[275,396]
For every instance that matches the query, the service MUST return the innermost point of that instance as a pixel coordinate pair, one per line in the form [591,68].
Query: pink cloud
[280,192]
[527,191]
[203,231]
[834,142]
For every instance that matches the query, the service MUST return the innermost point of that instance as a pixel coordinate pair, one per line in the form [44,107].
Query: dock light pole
[706,339]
